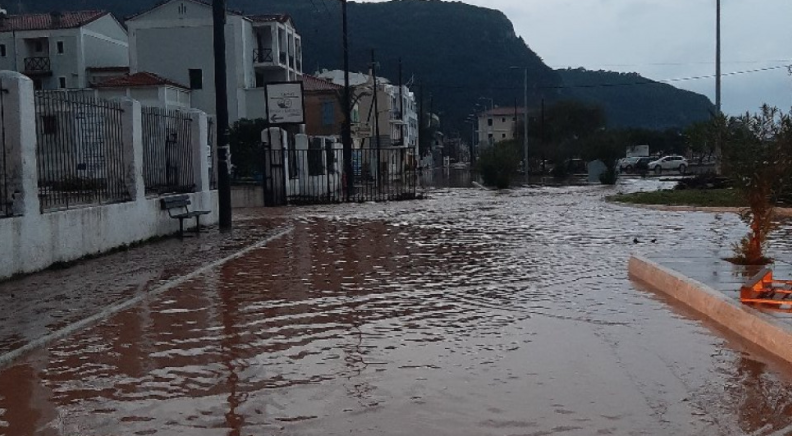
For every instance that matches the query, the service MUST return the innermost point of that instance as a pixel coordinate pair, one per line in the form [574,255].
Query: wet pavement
[470,313]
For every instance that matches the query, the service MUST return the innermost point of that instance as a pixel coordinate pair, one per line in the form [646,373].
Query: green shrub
[609,177]
[497,164]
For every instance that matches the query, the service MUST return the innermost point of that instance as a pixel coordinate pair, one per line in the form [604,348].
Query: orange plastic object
[762,289]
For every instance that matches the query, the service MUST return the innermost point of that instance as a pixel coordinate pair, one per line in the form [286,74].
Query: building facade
[174,40]
[59,50]
[498,124]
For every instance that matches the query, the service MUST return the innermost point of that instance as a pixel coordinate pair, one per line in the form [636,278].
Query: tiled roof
[501,111]
[138,80]
[280,18]
[64,20]
[312,83]
[108,69]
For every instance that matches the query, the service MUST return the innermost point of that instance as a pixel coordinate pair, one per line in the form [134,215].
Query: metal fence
[79,150]
[167,154]
[315,176]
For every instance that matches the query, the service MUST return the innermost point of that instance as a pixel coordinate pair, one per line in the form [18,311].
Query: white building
[58,50]
[147,88]
[174,40]
[498,124]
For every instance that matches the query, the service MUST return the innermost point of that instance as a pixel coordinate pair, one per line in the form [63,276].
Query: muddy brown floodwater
[470,313]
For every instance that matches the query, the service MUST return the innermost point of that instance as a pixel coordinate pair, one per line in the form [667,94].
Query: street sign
[285,103]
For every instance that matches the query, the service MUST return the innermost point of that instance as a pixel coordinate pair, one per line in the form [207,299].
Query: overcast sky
[666,39]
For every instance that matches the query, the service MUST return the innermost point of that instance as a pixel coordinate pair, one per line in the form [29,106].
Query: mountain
[461,54]
[631,100]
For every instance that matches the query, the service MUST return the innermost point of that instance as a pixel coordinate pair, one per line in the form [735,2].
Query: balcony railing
[38,65]
[263,56]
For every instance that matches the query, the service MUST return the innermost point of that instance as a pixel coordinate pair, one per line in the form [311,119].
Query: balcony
[396,117]
[38,66]
[263,56]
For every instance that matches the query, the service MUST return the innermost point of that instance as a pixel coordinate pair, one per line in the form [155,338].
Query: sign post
[285,104]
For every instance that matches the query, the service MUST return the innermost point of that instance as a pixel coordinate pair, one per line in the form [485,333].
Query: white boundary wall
[31,241]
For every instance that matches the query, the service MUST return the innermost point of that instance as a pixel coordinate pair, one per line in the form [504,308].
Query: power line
[609,85]
[678,64]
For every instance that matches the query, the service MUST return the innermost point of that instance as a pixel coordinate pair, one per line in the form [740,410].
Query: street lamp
[347,130]
[525,121]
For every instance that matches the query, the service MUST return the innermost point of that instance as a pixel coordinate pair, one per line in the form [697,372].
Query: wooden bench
[182,203]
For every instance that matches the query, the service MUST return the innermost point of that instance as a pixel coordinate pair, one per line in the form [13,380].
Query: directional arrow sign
[285,103]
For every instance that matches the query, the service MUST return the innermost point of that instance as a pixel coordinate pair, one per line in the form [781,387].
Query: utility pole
[376,117]
[718,102]
[401,105]
[221,110]
[347,129]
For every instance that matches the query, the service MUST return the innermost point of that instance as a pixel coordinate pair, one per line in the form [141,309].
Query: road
[470,313]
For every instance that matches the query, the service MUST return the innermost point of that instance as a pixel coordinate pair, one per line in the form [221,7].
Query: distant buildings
[498,124]
[63,50]
[395,125]
[174,41]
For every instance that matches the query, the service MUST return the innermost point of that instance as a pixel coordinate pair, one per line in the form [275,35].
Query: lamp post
[718,57]
[525,120]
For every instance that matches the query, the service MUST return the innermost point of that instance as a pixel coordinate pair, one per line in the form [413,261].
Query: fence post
[199,136]
[19,141]
[132,137]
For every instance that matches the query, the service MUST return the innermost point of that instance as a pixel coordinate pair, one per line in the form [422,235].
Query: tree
[757,151]
[246,149]
[497,164]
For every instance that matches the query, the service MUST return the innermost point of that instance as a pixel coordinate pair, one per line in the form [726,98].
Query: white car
[669,163]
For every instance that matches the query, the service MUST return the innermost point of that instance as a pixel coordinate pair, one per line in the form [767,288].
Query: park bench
[763,289]
[181,203]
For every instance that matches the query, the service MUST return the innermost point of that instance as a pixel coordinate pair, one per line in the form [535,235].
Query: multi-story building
[174,40]
[397,121]
[61,49]
[498,124]
[324,109]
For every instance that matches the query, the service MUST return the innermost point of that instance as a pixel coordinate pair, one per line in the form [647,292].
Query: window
[503,120]
[62,82]
[196,79]
[49,124]
[61,48]
[503,136]
[39,46]
[38,85]
[3,50]
[328,113]
[489,122]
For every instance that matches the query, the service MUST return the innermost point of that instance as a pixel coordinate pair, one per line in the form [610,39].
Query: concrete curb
[10,357]
[750,324]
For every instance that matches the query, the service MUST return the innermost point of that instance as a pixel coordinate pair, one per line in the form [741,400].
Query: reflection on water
[474,312]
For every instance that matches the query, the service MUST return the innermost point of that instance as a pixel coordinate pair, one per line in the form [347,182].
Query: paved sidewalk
[36,305]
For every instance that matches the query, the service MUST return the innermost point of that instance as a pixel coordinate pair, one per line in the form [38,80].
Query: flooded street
[470,313]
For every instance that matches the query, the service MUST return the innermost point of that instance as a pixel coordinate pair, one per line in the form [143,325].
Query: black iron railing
[80,151]
[263,55]
[315,176]
[167,151]
[38,65]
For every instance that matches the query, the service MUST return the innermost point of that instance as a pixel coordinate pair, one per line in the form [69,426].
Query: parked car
[669,163]
[642,165]
[627,164]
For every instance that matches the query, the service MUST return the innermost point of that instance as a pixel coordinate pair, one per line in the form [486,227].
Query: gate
[311,171]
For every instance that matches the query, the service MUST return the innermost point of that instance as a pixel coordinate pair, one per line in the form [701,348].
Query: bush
[609,177]
[757,152]
[497,164]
